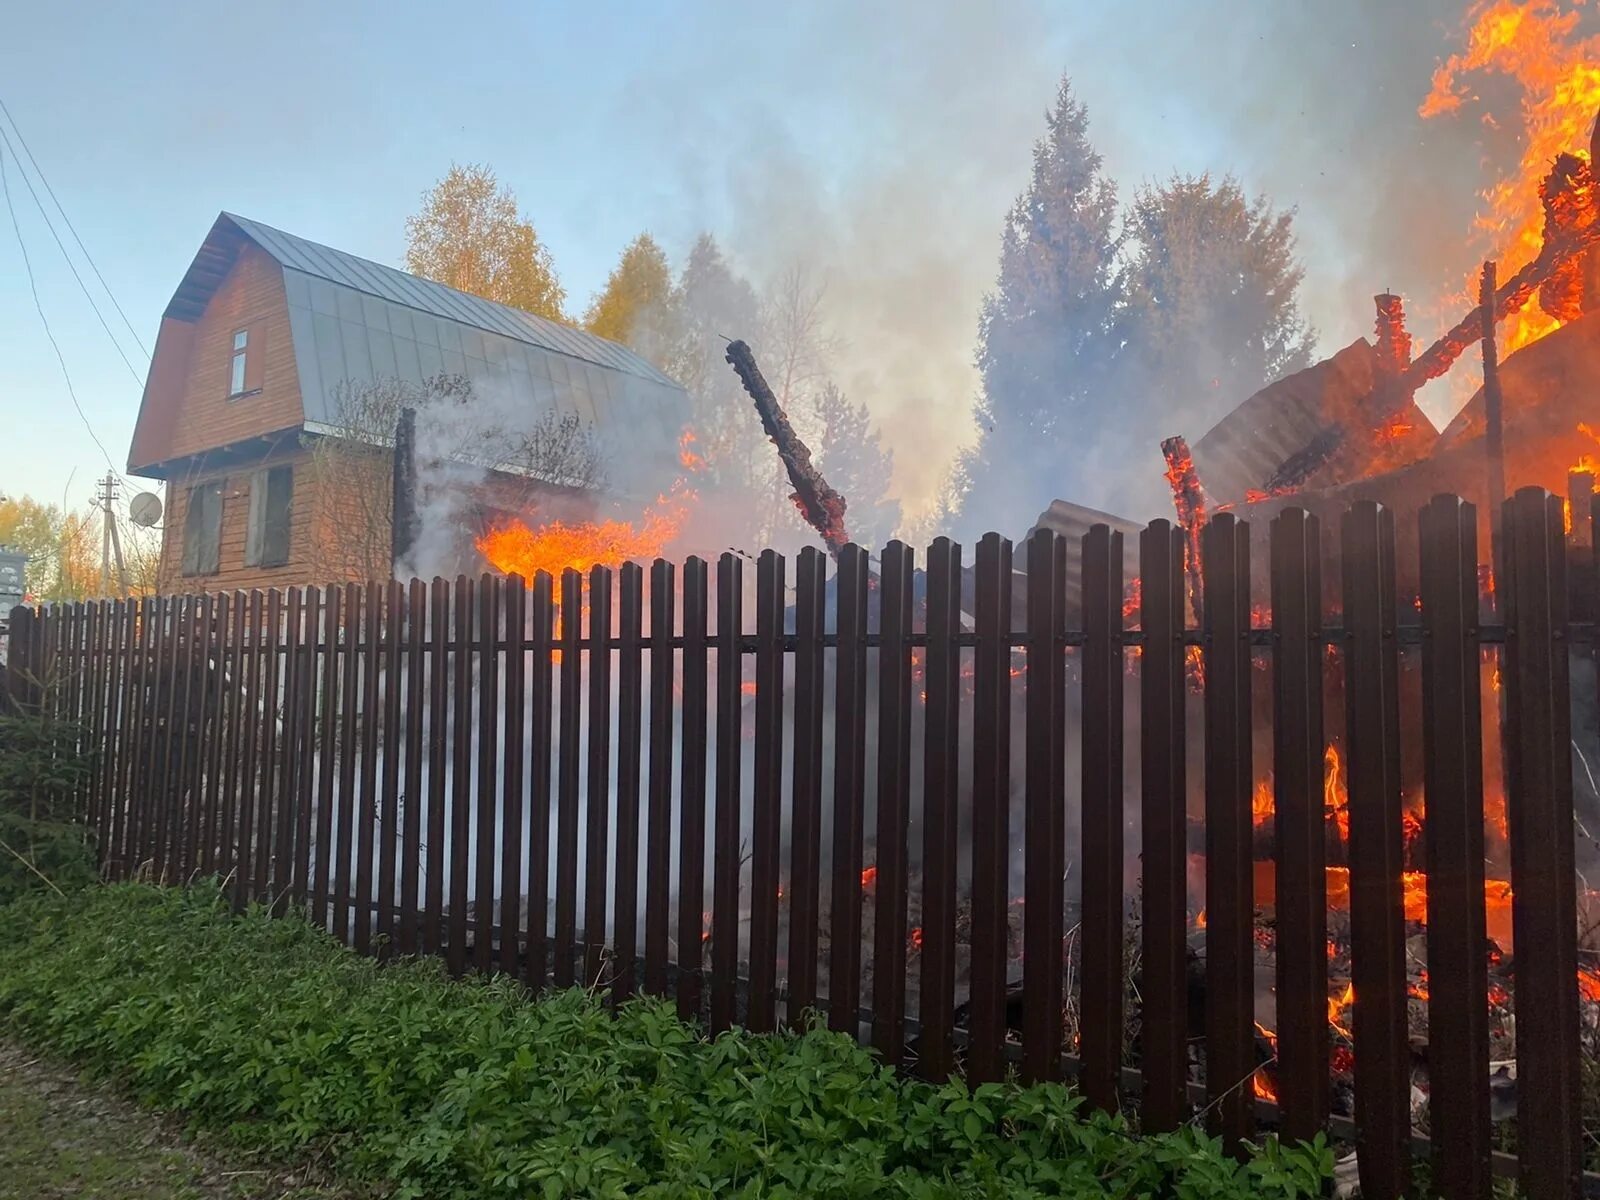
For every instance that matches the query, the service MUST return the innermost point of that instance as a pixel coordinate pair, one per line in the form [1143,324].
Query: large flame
[1535,43]
[516,548]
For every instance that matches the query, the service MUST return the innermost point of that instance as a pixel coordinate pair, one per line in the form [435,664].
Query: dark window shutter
[275,517]
[202,529]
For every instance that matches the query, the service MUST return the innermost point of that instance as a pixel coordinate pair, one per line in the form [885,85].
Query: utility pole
[110,537]
[104,499]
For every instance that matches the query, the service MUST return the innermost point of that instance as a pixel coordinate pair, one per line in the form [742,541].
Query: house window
[266,541]
[202,529]
[236,368]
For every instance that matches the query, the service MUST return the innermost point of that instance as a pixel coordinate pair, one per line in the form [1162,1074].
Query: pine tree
[638,305]
[1212,314]
[1047,346]
[470,235]
[856,464]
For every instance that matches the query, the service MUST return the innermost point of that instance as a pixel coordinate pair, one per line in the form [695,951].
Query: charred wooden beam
[1494,418]
[1189,499]
[821,506]
[1570,184]
[404,520]
[1389,330]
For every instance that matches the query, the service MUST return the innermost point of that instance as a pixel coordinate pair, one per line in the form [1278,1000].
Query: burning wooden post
[1494,439]
[1189,499]
[1389,329]
[404,522]
[821,506]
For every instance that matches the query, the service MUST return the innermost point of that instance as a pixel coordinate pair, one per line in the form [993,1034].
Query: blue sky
[879,149]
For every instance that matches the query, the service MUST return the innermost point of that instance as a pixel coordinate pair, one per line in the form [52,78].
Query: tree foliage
[1107,332]
[1047,344]
[856,463]
[638,306]
[1212,315]
[62,547]
[470,234]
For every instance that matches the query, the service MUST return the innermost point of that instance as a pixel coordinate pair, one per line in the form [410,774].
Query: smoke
[882,148]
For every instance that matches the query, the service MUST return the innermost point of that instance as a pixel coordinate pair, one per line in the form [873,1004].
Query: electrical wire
[89,258]
[5,186]
[132,370]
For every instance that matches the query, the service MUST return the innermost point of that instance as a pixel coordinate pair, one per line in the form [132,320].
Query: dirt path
[60,1137]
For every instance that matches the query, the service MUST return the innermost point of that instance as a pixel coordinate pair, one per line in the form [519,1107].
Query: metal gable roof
[424,295]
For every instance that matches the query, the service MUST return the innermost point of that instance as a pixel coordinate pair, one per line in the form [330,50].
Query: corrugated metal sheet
[424,295]
[1072,521]
[1243,449]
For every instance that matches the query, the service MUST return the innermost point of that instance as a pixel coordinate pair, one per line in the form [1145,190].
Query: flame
[1534,43]
[869,877]
[1589,984]
[1335,797]
[1262,802]
[690,459]
[916,937]
[1337,1007]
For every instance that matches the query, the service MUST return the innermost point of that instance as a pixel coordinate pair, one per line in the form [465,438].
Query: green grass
[267,1030]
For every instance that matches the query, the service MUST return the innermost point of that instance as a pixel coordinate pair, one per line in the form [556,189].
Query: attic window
[236,369]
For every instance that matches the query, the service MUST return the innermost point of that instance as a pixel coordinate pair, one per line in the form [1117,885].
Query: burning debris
[821,506]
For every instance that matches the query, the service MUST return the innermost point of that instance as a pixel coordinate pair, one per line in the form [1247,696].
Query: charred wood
[821,506]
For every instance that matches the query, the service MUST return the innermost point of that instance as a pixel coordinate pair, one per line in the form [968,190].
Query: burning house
[273,396]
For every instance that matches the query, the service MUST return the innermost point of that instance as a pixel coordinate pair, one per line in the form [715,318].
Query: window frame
[239,365]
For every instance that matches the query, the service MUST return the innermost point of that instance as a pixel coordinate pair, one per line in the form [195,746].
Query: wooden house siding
[205,416]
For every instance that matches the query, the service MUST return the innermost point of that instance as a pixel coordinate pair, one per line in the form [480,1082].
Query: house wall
[237,479]
[187,408]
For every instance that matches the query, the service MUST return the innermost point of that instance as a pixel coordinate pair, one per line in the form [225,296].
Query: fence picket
[281,869]
[767,799]
[1538,740]
[630,690]
[895,586]
[849,790]
[658,852]
[567,782]
[512,782]
[805,844]
[692,795]
[305,774]
[328,767]
[940,789]
[346,810]
[389,787]
[1299,823]
[725,841]
[1377,909]
[1230,982]
[1452,746]
[252,716]
[539,745]
[991,810]
[267,793]
[1044,861]
[439,758]
[460,776]
[597,823]
[416,623]
[486,727]
[1104,909]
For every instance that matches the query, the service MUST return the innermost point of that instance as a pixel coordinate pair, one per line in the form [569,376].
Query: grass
[62,1137]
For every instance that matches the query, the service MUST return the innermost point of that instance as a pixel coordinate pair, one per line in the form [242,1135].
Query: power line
[89,258]
[5,186]
[132,370]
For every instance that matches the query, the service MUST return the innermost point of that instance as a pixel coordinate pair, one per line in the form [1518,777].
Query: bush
[40,843]
[471,1088]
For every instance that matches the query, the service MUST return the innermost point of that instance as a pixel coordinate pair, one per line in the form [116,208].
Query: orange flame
[1534,43]
[1335,798]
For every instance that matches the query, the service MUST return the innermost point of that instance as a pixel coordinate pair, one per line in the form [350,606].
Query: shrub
[471,1088]
[40,842]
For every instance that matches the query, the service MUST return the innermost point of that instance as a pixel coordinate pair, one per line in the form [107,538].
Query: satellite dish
[145,509]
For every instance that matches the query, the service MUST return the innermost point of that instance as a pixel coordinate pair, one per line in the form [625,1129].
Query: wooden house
[265,334]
